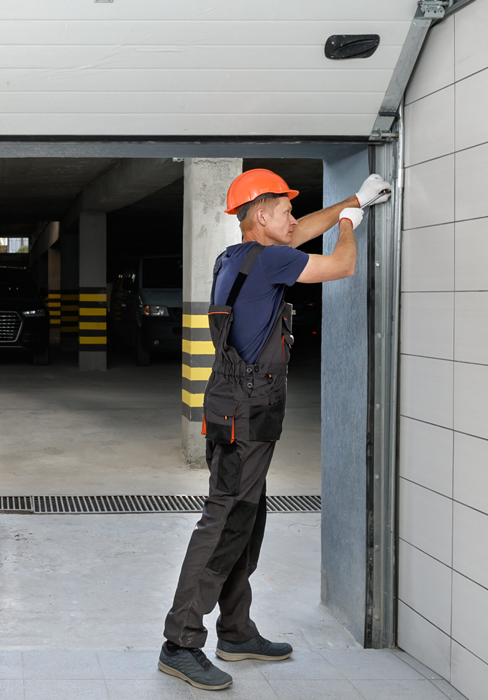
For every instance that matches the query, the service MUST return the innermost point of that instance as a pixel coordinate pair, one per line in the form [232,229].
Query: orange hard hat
[253,184]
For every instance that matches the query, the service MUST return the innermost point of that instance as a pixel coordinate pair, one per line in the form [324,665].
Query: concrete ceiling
[42,189]
[304,174]
[34,190]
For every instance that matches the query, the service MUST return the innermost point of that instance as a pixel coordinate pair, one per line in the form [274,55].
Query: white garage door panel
[174,125]
[176,32]
[189,103]
[147,57]
[209,9]
[162,67]
[133,80]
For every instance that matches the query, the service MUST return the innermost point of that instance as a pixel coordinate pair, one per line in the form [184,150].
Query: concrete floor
[84,597]
[120,431]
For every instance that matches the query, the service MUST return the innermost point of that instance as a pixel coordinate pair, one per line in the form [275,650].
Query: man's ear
[260,216]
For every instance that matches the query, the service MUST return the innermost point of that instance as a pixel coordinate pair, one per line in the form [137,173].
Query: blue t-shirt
[260,298]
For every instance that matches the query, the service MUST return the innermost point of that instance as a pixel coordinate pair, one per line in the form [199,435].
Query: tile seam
[446,359]
[435,425]
[459,573]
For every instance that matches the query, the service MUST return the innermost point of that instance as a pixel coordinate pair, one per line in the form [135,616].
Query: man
[244,407]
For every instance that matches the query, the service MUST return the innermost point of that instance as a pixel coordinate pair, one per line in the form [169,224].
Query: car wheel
[143,358]
[41,358]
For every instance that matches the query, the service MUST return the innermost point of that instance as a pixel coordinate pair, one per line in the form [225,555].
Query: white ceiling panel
[156,67]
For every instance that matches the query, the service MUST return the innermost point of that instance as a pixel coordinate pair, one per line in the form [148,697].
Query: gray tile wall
[443,527]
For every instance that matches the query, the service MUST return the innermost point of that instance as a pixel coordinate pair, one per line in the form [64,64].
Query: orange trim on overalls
[204,425]
[218,312]
[282,347]
[232,435]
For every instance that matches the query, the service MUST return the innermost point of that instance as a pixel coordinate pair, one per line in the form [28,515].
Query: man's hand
[355,216]
[370,188]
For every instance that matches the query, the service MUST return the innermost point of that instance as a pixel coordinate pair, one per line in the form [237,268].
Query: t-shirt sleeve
[284,265]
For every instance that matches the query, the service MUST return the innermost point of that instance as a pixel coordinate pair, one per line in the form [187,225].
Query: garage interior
[96,433]
[90,432]
[120,431]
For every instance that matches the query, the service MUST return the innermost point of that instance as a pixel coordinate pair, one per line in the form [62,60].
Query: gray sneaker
[192,666]
[255,648]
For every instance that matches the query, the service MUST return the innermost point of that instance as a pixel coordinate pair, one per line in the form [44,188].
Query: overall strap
[244,270]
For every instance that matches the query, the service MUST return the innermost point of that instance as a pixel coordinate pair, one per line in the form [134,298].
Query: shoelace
[261,641]
[200,657]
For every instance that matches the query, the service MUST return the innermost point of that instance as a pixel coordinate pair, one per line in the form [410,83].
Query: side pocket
[230,469]
[287,338]
[218,418]
[218,317]
[266,422]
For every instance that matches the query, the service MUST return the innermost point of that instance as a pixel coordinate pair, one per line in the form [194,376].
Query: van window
[162,273]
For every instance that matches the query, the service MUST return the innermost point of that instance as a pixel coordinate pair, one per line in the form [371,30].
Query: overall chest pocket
[219,419]
[266,421]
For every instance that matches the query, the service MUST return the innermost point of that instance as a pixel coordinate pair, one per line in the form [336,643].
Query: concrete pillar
[45,237]
[92,335]
[53,300]
[207,231]
[69,245]
[345,409]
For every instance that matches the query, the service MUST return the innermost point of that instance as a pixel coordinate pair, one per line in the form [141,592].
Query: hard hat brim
[291,194]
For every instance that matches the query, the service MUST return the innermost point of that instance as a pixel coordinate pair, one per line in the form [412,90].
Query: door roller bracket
[434,9]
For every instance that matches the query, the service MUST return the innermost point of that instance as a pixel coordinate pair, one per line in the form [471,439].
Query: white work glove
[355,216]
[370,188]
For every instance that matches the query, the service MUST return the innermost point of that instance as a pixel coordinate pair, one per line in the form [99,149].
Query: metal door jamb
[383,399]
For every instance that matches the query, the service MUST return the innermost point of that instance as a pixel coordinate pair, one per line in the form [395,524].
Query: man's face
[280,223]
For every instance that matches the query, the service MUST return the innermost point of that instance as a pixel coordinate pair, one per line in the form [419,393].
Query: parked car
[146,306]
[24,317]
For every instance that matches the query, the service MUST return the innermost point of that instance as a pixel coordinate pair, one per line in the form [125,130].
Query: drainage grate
[140,504]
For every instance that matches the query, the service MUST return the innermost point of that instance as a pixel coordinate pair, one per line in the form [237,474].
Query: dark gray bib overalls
[244,406]
[246,402]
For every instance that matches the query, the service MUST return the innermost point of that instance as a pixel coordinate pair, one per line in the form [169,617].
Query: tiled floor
[84,599]
[133,675]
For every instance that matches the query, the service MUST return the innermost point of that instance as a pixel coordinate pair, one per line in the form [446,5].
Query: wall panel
[447,456]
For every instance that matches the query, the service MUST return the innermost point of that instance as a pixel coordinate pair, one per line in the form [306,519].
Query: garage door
[206,67]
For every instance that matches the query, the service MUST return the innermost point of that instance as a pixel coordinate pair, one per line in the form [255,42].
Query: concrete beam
[126,182]
[47,237]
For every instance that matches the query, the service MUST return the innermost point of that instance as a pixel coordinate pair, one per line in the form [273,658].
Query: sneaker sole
[226,656]
[173,672]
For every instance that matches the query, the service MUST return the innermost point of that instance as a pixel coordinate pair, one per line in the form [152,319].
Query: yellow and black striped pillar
[69,313]
[198,356]
[53,302]
[93,319]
